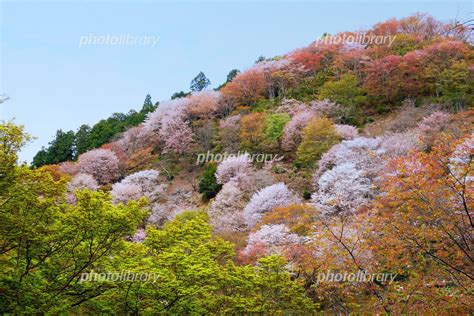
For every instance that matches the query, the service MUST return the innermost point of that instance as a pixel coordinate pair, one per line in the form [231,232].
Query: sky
[56,79]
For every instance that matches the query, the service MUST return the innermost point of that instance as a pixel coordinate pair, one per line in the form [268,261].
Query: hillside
[336,160]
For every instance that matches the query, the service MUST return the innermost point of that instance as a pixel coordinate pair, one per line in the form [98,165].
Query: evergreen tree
[208,185]
[231,75]
[61,148]
[83,139]
[199,83]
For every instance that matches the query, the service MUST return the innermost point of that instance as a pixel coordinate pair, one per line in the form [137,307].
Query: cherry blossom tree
[68,167]
[169,121]
[342,190]
[83,181]
[291,107]
[139,236]
[347,131]
[124,192]
[143,183]
[266,199]
[226,211]
[273,238]
[79,182]
[431,125]
[231,166]
[102,164]
[229,130]
[203,104]
[293,130]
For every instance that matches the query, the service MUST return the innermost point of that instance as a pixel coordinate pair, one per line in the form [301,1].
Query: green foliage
[180,94]
[208,185]
[82,139]
[308,89]
[275,124]
[68,146]
[47,243]
[12,139]
[260,59]
[62,147]
[196,275]
[455,85]
[231,75]
[318,137]
[199,83]
[148,104]
[306,195]
[345,91]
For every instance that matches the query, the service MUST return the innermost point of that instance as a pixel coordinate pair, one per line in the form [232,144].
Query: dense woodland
[376,176]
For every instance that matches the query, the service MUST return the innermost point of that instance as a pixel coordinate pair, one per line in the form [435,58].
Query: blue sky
[54,84]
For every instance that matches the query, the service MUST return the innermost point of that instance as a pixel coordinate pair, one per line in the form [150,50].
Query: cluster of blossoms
[345,177]
[273,238]
[431,125]
[266,200]
[102,164]
[239,181]
[143,183]
[233,166]
[79,182]
[292,133]
[170,121]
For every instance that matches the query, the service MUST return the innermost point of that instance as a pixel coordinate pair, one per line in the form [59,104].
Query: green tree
[260,59]
[208,185]
[318,137]
[148,104]
[40,159]
[347,92]
[61,148]
[274,125]
[83,139]
[231,75]
[46,243]
[455,85]
[199,83]
[196,275]
[180,94]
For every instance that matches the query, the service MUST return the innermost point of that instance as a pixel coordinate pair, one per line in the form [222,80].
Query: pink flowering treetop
[347,131]
[342,190]
[266,199]
[273,238]
[79,182]
[226,211]
[102,164]
[232,166]
[83,181]
[431,125]
[170,123]
[143,183]
[293,130]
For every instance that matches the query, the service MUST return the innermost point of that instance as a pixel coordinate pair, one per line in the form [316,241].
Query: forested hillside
[335,178]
